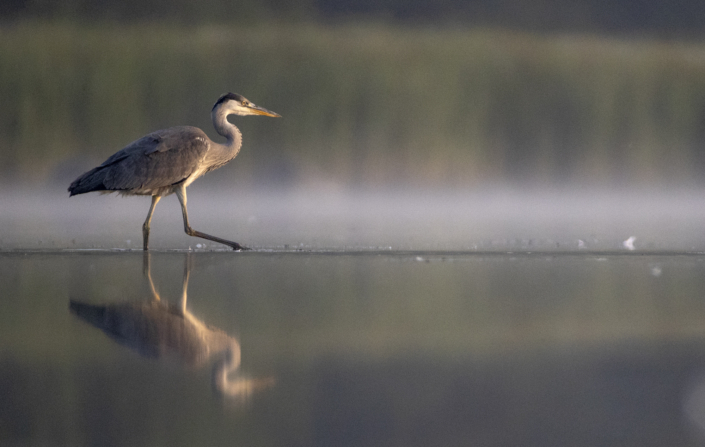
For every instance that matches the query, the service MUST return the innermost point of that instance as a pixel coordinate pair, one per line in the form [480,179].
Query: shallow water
[399,318]
[365,348]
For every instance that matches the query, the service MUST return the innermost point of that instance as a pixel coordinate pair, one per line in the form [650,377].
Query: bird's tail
[88,312]
[92,180]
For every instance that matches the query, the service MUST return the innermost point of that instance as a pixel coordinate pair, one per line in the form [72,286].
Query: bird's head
[232,103]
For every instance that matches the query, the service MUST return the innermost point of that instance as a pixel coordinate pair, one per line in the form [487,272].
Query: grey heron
[167,161]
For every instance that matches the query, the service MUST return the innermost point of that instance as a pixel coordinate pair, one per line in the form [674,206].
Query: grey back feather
[156,161]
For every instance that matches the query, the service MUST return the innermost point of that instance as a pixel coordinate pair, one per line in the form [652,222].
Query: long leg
[145,226]
[147,271]
[184,287]
[181,194]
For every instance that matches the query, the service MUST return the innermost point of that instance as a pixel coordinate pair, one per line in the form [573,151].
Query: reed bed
[363,104]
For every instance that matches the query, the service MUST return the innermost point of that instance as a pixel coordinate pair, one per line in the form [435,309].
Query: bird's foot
[234,245]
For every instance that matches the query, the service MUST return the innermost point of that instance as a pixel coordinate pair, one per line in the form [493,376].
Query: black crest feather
[228,96]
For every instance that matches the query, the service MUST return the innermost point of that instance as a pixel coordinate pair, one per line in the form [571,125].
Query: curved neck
[225,128]
[230,363]
[237,387]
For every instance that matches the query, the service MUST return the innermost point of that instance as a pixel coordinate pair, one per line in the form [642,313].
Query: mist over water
[408,219]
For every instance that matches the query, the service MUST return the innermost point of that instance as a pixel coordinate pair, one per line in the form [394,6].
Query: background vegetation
[665,18]
[362,104]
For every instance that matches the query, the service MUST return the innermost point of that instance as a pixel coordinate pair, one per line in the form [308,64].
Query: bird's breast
[195,174]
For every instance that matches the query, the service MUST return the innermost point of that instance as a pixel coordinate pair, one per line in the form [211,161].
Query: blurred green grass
[363,104]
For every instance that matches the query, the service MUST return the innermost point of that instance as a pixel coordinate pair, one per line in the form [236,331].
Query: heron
[167,161]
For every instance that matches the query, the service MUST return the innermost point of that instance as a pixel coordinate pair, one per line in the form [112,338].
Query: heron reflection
[159,329]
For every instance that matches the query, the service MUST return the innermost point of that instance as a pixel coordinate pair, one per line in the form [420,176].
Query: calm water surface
[360,349]
[409,318]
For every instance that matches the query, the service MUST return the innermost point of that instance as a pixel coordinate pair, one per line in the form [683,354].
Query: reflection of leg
[147,271]
[181,194]
[146,266]
[145,226]
[187,272]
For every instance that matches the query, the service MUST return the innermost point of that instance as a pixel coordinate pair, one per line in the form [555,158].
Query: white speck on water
[419,259]
[629,243]
[581,243]
[199,245]
[656,271]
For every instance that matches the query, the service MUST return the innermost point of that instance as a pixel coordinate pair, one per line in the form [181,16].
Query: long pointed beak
[257,110]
